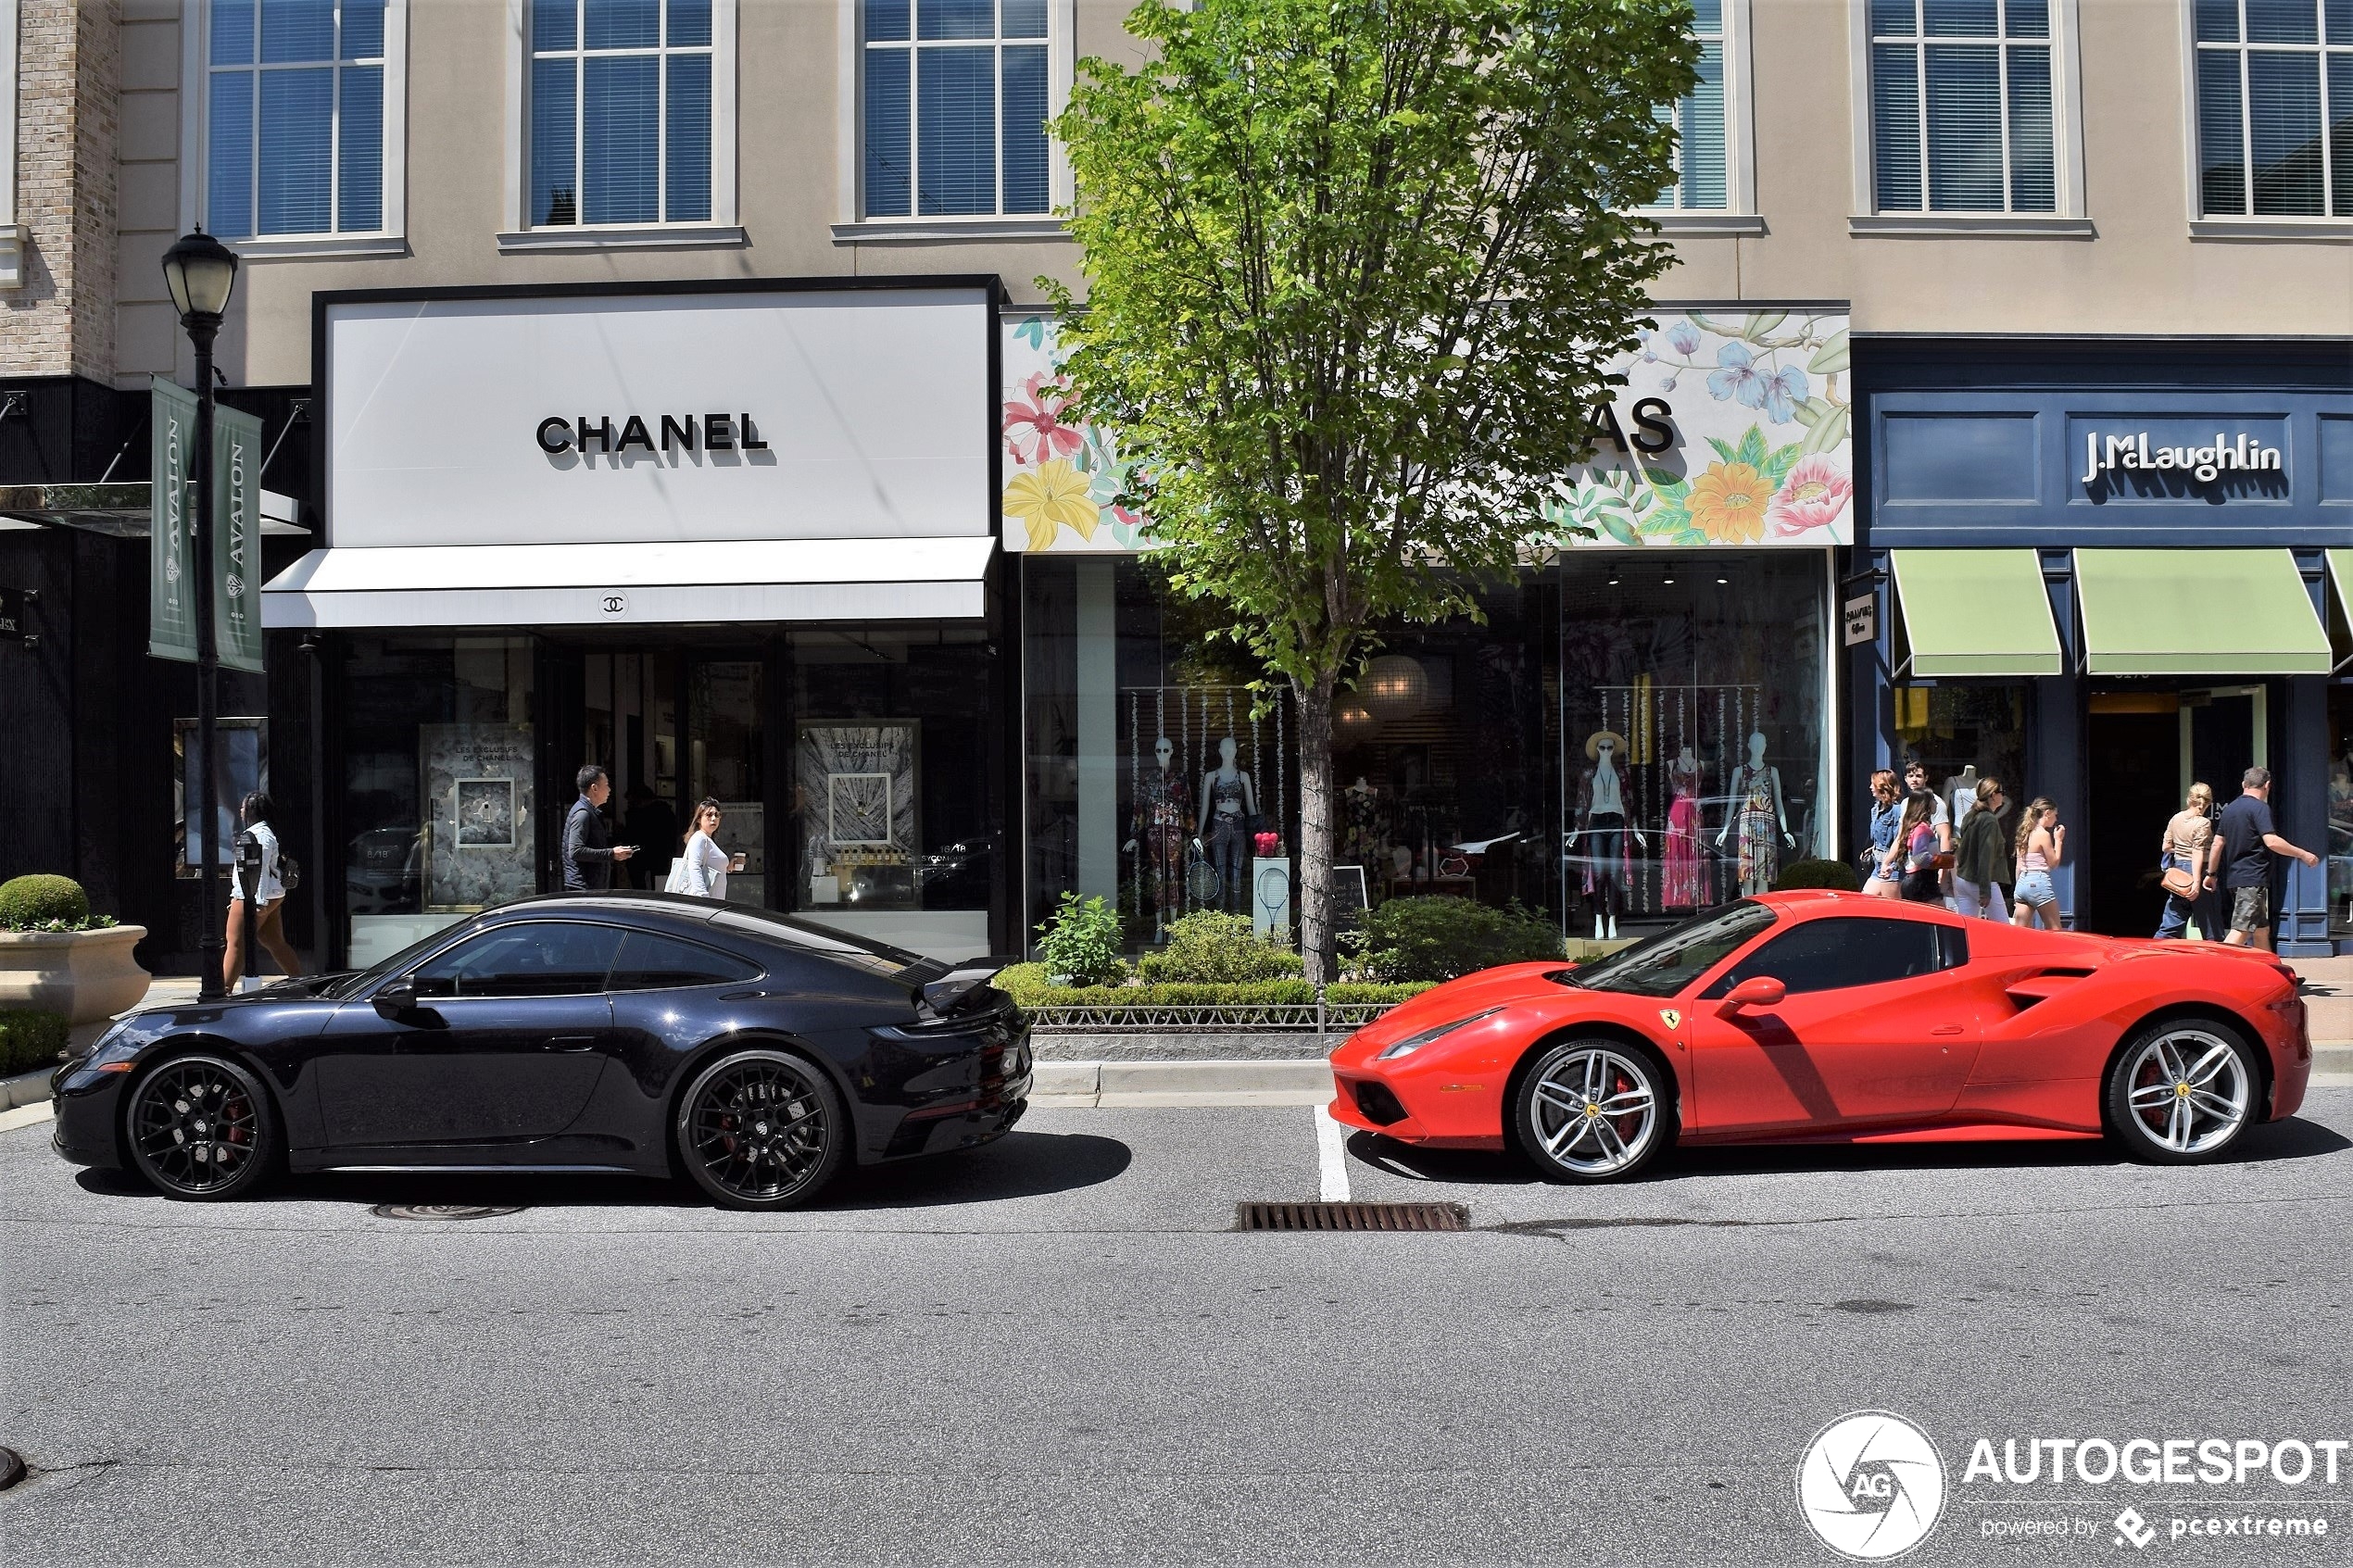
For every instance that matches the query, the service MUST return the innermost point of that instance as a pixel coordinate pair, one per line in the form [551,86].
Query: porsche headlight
[1413,1043]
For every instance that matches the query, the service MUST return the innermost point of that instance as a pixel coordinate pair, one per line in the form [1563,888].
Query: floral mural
[1750,417]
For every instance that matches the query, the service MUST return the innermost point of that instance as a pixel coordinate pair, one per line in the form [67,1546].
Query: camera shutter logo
[1870,1486]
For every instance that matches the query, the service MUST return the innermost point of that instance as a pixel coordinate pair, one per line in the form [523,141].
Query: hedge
[1027,986]
[30,1040]
[1835,874]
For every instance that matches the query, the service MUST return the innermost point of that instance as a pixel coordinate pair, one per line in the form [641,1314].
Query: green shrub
[30,1040]
[1442,939]
[1029,986]
[39,902]
[1818,873]
[1082,941]
[1218,949]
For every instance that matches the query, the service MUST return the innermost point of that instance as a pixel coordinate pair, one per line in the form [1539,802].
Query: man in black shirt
[2248,842]
[590,852]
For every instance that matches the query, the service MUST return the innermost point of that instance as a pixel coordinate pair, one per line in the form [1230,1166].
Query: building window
[1699,117]
[295,118]
[1961,105]
[621,112]
[2275,109]
[955,108]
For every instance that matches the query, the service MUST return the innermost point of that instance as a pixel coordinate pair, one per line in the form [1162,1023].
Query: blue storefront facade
[2181,512]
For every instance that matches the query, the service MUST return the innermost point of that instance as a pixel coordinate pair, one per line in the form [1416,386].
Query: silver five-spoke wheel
[2183,1091]
[1592,1111]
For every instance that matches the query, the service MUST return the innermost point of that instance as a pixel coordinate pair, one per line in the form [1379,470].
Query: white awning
[403,586]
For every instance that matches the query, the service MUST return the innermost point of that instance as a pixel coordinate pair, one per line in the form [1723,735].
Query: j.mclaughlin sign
[2107,455]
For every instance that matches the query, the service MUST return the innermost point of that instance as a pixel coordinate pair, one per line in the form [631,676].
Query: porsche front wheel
[1593,1110]
[2184,1091]
[200,1127]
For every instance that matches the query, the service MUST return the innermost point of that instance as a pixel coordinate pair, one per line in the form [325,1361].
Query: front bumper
[1434,1098]
[88,1111]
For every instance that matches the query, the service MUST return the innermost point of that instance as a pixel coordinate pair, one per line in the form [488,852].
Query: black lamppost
[201,272]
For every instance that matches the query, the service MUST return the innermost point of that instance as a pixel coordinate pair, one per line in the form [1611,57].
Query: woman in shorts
[2041,844]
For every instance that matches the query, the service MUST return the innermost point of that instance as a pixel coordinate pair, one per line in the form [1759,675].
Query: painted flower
[1740,380]
[1728,503]
[1683,338]
[1034,430]
[1046,497]
[1784,390]
[1814,496]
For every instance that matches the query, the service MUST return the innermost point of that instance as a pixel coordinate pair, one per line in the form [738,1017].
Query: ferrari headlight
[1413,1043]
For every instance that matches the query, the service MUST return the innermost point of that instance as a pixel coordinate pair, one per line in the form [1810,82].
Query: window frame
[722,227]
[1739,214]
[1721,982]
[636,933]
[2245,225]
[196,161]
[2065,220]
[504,928]
[851,223]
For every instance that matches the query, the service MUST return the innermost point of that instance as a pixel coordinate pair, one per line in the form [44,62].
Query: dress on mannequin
[1158,820]
[1228,802]
[1759,816]
[1683,869]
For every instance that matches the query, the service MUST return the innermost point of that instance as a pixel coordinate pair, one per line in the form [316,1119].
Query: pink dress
[1683,868]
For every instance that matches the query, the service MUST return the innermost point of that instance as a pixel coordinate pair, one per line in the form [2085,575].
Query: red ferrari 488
[1836,1018]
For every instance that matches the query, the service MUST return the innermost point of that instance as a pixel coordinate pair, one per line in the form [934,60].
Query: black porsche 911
[631,1033]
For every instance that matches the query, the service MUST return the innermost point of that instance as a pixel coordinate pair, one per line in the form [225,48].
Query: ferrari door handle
[1946,1029]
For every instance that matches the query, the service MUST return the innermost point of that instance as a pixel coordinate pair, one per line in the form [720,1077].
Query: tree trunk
[1316,827]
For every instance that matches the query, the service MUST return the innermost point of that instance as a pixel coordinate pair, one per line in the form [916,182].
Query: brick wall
[61,321]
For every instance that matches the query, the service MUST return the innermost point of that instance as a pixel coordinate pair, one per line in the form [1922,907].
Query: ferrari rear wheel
[200,1127]
[1593,1110]
[761,1129]
[2183,1091]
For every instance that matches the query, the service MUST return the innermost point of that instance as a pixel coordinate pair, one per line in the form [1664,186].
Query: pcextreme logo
[1871,1486]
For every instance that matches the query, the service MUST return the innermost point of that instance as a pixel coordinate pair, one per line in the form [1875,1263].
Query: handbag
[289,872]
[2179,879]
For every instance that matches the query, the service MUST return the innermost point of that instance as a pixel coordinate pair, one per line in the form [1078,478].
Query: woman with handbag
[1982,858]
[1923,860]
[2189,856]
[1881,878]
[700,870]
[269,898]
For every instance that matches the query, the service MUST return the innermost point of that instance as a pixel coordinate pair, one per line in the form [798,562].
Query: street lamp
[201,273]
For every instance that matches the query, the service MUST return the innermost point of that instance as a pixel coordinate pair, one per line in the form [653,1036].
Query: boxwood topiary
[29,902]
[1835,874]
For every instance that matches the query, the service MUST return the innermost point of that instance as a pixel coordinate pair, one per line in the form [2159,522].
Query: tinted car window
[1663,964]
[540,959]
[1834,954]
[648,962]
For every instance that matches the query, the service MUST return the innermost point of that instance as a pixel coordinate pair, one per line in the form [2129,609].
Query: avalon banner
[236,538]
[171,580]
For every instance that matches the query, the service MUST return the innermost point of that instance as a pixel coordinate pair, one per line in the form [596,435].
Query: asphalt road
[1057,1351]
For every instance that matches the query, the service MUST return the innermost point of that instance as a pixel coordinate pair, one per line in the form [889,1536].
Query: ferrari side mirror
[398,997]
[1756,991]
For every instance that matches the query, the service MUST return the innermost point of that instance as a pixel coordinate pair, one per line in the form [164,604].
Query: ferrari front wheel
[1593,1110]
[2183,1090]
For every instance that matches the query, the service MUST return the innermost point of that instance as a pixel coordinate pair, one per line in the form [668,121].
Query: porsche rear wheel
[1593,1110]
[761,1129]
[200,1127]
[2182,1091]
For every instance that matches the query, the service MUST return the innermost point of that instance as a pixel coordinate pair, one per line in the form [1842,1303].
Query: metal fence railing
[1060,1018]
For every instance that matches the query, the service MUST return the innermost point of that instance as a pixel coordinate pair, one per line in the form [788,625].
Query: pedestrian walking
[1923,855]
[700,870]
[2041,844]
[1881,878]
[589,851]
[1982,858]
[269,898]
[2190,858]
[2248,842]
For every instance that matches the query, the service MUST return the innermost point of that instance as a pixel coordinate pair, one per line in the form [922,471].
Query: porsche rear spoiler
[946,988]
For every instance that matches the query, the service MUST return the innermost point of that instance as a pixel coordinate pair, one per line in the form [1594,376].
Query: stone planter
[87,975]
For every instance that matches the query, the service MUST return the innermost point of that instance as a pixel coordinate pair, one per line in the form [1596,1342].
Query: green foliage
[1030,986]
[1441,938]
[1082,940]
[30,1040]
[44,903]
[1216,949]
[1817,873]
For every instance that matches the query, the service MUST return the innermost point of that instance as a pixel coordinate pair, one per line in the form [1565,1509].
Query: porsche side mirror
[1756,991]
[398,997]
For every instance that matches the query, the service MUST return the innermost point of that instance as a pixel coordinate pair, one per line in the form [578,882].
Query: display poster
[236,538]
[479,827]
[240,766]
[172,583]
[858,793]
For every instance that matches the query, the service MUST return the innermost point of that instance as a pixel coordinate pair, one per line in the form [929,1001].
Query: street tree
[1355,271]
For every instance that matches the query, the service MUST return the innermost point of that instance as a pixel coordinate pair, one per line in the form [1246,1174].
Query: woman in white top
[701,868]
[270,899]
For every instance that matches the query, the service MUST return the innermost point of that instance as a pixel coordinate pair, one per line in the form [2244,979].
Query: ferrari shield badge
[1672,1019]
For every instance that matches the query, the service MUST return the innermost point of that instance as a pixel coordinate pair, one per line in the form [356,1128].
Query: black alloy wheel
[201,1128]
[761,1129]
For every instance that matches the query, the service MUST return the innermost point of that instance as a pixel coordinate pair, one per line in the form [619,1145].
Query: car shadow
[1021,1164]
[2294,1138]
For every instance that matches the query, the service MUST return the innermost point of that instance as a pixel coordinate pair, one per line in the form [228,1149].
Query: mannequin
[1758,812]
[1158,818]
[1960,790]
[1360,815]
[1228,802]
[1603,820]
[1685,869]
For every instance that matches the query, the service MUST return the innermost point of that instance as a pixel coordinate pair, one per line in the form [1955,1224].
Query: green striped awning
[2198,612]
[1975,612]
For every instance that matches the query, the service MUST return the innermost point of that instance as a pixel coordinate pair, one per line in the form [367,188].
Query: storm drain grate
[442,1211]
[1351,1217]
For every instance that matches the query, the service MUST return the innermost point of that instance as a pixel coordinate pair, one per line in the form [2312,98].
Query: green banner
[172,577]
[236,538]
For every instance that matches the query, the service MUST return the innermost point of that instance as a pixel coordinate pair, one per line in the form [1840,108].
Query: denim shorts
[2034,889]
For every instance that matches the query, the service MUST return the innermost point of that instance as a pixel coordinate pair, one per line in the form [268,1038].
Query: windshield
[1663,964]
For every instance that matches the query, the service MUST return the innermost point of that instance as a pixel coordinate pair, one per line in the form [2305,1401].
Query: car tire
[761,1130]
[200,1128]
[2184,1091]
[1561,1116]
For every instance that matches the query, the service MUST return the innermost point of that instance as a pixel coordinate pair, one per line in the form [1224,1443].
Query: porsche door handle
[1946,1029]
[569,1042]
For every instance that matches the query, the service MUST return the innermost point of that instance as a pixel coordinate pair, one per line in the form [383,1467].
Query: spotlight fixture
[1668,580]
[1721,580]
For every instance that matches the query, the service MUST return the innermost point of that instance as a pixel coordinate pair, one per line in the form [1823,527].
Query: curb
[25,1089]
[1113,1084]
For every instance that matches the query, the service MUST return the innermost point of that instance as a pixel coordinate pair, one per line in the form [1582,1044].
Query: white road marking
[1332,1156]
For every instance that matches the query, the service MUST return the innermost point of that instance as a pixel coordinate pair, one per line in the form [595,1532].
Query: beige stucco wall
[62,321]
[2143,273]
